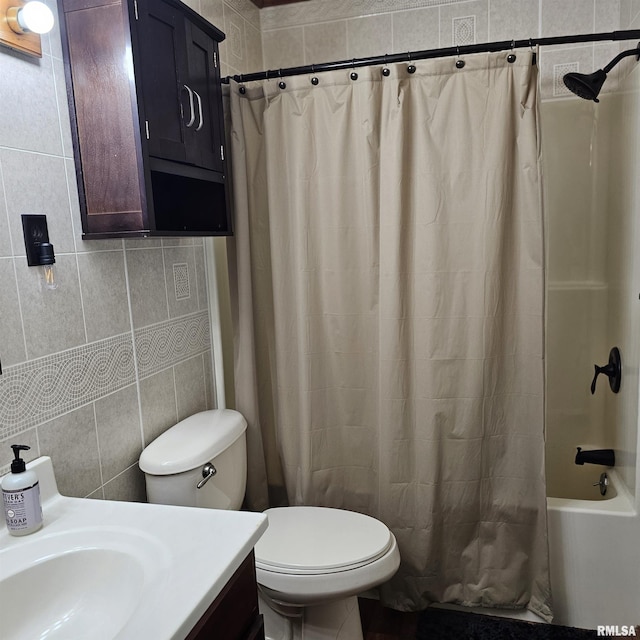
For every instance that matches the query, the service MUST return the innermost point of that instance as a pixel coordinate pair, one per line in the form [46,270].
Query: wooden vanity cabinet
[143,83]
[234,614]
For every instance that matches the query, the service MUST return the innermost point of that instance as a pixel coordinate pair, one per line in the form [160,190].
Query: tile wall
[95,370]
[325,30]
[629,14]
[241,51]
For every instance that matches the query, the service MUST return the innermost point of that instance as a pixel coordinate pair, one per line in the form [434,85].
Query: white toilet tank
[173,463]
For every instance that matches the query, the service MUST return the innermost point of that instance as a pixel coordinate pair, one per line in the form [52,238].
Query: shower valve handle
[613,370]
[607,370]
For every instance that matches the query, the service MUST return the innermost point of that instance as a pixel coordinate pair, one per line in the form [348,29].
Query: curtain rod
[503,45]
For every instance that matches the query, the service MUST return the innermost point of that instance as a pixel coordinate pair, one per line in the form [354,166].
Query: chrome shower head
[588,86]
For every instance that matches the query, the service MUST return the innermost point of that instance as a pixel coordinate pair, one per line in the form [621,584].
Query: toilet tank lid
[192,442]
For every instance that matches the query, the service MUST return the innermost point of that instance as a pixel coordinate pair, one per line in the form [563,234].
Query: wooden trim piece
[115,222]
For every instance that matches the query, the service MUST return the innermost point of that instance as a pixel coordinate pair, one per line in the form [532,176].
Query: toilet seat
[319,540]
[313,555]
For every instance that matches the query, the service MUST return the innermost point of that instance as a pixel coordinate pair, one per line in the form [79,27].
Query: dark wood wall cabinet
[143,82]
[234,614]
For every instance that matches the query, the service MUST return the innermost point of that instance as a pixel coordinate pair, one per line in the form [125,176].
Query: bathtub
[594,551]
[594,554]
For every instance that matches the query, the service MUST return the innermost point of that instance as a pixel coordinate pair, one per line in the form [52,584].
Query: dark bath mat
[441,624]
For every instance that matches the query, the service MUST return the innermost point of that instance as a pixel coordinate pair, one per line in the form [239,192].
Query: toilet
[311,563]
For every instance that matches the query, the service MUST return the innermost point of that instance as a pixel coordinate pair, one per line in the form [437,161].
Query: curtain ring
[353,75]
[242,89]
[282,84]
[412,67]
[385,70]
[314,78]
[511,58]
[459,62]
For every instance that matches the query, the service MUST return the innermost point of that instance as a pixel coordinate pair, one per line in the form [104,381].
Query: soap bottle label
[22,508]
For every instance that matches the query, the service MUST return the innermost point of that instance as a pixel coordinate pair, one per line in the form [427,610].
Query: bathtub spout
[606,457]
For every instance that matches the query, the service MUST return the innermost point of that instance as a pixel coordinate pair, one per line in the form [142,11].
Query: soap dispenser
[21,496]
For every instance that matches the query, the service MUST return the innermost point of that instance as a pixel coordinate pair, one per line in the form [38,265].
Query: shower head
[588,86]
[585,86]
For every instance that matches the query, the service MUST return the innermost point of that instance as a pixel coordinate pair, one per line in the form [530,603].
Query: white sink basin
[84,583]
[92,577]
[110,570]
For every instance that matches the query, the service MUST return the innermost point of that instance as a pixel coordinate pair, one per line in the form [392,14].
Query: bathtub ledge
[620,505]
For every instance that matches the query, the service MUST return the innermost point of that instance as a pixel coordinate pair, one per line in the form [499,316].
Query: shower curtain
[387,277]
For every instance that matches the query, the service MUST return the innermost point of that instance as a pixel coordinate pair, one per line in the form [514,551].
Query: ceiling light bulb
[35,17]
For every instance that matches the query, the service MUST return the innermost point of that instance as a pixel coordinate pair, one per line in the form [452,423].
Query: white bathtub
[594,555]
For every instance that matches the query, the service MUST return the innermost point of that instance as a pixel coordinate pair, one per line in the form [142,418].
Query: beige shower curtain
[388,293]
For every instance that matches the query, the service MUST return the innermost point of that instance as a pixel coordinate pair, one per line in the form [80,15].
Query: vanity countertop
[130,570]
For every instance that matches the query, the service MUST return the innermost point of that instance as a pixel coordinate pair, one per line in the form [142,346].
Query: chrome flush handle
[208,471]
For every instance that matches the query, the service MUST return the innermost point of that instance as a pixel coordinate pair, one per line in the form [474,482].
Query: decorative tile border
[163,345]
[42,389]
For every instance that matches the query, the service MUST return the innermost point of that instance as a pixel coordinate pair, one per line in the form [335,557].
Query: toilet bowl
[310,563]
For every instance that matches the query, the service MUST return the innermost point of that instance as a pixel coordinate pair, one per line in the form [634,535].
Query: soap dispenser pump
[21,496]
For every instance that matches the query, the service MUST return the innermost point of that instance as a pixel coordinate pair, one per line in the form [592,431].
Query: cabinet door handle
[193,111]
[199,111]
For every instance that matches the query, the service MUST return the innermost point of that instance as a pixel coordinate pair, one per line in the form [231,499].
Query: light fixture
[39,249]
[34,17]
[22,23]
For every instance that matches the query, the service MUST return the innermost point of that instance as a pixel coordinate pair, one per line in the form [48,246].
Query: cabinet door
[205,136]
[168,101]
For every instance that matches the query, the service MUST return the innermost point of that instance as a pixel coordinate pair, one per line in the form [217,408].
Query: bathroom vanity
[234,613]
[111,570]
